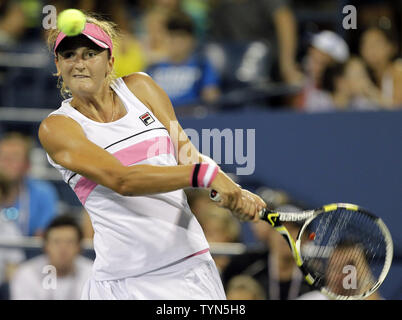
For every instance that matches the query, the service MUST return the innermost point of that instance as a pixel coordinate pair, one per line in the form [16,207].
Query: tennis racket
[342,249]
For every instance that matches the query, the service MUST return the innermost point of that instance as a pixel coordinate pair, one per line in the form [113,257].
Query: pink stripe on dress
[145,150]
[83,188]
[197,253]
[138,152]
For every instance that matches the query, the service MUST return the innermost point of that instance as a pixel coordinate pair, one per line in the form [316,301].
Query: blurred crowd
[223,53]
[219,54]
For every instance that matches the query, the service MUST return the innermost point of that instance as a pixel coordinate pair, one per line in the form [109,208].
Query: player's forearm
[148,179]
[190,155]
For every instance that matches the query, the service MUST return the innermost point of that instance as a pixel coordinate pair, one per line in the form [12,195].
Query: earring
[59,81]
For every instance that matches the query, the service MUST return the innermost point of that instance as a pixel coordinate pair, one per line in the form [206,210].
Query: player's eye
[91,53]
[67,54]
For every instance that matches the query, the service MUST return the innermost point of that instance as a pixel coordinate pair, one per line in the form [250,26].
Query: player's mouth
[80,76]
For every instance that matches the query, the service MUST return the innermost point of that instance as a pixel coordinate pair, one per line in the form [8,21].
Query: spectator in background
[153,33]
[9,258]
[274,268]
[363,93]
[86,225]
[379,49]
[34,202]
[12,23]
[62,245]
[244,287]
[219,226]
[186,76]
[271,21]
[198,200]
[347,86]
[155,11]
[327,48]
[199,11]
[129,54]
[347,253]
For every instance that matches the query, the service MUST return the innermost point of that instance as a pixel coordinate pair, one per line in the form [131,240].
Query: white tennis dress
[137,237]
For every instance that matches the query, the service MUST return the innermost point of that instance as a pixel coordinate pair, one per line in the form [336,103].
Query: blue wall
[351,157]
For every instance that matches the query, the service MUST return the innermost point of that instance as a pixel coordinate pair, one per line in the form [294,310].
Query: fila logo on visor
[147,119]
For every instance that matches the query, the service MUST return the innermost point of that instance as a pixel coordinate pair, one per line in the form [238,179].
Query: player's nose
[79,65]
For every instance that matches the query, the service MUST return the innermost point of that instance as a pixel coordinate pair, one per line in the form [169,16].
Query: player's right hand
[255,205]
[230,193]
[242,203]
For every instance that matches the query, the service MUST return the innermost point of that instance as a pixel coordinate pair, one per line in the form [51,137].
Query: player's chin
[83,86]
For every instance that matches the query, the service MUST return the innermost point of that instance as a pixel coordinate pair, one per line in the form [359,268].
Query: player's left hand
[252,205]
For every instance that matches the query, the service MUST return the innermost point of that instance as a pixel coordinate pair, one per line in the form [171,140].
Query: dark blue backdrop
[351,157]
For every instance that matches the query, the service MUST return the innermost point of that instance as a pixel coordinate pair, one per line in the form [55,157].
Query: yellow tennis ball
[71,22]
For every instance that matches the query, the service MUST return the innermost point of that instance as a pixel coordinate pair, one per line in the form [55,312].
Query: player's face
[83,66]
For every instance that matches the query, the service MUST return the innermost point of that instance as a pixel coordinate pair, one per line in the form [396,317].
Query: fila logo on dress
[147,118]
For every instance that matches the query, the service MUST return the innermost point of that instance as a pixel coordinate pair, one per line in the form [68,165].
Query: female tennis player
[113,144]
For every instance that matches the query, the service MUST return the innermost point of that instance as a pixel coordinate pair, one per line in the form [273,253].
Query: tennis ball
[71,22]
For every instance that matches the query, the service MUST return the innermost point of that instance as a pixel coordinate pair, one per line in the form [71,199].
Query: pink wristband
[203,174]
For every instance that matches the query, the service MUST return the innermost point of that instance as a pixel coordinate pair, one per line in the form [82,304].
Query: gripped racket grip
[264,214]
[214,195]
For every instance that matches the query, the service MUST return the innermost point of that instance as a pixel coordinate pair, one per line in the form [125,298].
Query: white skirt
[194,278]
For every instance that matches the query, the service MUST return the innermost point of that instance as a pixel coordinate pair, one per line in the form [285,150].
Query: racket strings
[347,252]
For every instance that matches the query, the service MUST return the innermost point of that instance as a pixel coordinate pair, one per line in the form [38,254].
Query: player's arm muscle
[65,142]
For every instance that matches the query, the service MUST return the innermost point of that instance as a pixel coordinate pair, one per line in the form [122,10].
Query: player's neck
[99,107]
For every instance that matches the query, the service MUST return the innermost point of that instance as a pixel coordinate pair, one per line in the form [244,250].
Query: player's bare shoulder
[55,129]
[149,92]
[139,83]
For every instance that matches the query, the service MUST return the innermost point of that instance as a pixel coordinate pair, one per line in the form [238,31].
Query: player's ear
[56,62]
[110,65]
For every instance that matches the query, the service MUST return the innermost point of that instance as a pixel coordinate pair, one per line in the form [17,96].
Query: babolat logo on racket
[273,218]
[147,119]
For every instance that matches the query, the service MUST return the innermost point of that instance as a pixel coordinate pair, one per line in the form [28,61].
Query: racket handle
[214,195]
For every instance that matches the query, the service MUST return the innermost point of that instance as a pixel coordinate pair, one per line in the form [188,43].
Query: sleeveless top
[133,235]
